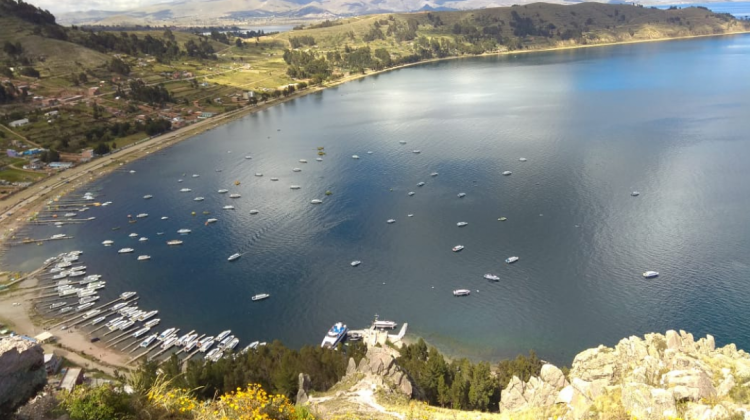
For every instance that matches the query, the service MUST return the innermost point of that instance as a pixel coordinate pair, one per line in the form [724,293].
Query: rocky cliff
[22,373]
[655,377]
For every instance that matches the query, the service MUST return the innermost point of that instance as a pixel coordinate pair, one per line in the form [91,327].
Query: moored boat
[234,257]
[458,248]
[334,335]
[511,260]
[260,296]
[461,292]
[651,274]
[491,277]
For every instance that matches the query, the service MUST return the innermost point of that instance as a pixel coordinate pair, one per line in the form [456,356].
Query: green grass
[17,175]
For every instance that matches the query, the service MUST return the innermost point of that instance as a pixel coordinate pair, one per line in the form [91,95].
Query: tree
[101,149]
[238,43]
[481,386]
[50,155]
[102,402]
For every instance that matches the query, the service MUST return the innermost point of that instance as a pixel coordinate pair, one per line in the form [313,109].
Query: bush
[98,403]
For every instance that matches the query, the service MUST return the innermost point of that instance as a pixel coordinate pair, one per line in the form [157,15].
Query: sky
[64,6]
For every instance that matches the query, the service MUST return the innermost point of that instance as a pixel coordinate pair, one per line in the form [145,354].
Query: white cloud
[63,6]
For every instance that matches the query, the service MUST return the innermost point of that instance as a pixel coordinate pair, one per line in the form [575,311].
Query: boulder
[553,376]
[647,403]
[674,342]
[595,364]
[22,373]
[351,367]
[303,385]
[725,386]
[706,412]
[689,384]
[511,398]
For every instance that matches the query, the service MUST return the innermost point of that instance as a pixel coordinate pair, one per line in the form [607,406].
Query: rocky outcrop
[303,386]
[654,377]
[22,373]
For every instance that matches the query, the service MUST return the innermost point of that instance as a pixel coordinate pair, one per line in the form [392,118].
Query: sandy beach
[17,306]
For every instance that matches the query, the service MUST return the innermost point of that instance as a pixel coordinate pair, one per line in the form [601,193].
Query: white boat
[147,196]
[107,242]
[234,257]
[316,201]
[125,296]
[125,251]
[523,159]
[402,142]
[70,214]
[491,277]
[274,179]
[334,335]
[434,174]
[222,335]
[458,248]
[511,260]
[355,157]
[166,333]
[390,221]
[461,195]
[184,231]
[83,307]
[98,320]
[140,332]
[185,190]
[461,224]
[152,323]
[143,239]
[635,194]
[506,173]
[651,274]
[294,187]
[87,299]
[147,342]
[355,263]
[461,292]
[248,157]
[230,207]
[296,170]
[232,344]
[253,211]
[234,196]
[205,344]
[169,342]
[144,257]
[211,354]
[416,151]
[258,174]
[303,161]
[211,221]
[223,191]
[179,180]
[57,305]
[141,215]
[76,273]
[261,296]
[369,152]
[225,341]
[133,235]
[384,324]
[421,184]
[198,199]
[319,159]
[195,175]
[410,215]
[164,218]
[58,236]
[411,193]
[147,315]
[105,204]
[174,242]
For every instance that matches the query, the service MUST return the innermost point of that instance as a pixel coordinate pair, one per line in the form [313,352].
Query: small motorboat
[234,257]
[303,161]
[434,174]
[355,263]
[296,170]
[258,174]
[461,224]
[506,173]
[502,219]
[523,159]
[248,157]
[491,277]
[184,231]
[174,242]
[108,242]
[635,194]
[511,260]
[235,195]
[355,157]
[294,187]
[410,214]
[461,195]
[651,274]
[195,175]
[144,257]
[390,221]
[228,207]
[421,184]
[402,142]
[416,151]
[211,221]
[253,211]
[142,239]
[198,199]
[164,218]
[147,196]
[261,296]
[316,201]
[461,292]
[458,248]
[133,235]
[223,191]
[319,159]
[125,251]
[411,193]
[185,190]
[274,179]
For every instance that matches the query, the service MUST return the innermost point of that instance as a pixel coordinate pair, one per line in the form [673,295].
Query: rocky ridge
[655,377]
[22,373]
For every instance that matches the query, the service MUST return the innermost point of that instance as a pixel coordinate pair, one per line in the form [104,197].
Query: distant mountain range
[230,12]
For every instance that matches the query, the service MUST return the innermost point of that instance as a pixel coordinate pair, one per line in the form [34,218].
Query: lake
[738,9]
[666,119]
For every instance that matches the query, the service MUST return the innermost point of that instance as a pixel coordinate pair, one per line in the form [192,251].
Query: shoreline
[33,198]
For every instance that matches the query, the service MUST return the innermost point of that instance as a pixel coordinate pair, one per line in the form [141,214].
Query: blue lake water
[667,119]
